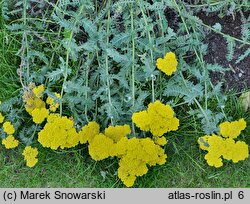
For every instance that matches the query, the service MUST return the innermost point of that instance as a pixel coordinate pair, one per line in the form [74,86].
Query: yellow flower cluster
[30,156]
[38,91]
[224,146]
[135,154]
[58,132]
[168,64]
[232,129]
[158,119]
[34,105]
[39,115]
[88,132]
[8,128]
[102,146]
[53,104]
[160,140]
[10,142]
[117,132]
[32,98]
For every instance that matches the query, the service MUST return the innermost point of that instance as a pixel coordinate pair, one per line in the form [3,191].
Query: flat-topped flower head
[168,64]
[10,142]
[224,146]
[101,147]
[158,119]
[232,129]
[39,115]
[117,132]
[59,132]
[137,156]
[30,156]
[88,132]
[8,128]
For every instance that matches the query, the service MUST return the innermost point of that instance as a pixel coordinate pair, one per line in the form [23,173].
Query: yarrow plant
[30,156]
[158,119]
[223,145]
[9,142]
[59,132]
[135,154]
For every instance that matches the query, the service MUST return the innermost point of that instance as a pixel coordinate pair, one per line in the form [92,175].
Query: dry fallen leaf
[245,100]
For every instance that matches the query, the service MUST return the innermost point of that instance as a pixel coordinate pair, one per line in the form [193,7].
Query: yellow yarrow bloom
[235,151]
[158,119]
[88,132]
[39,115]
[30,156]
[59,132]
[160,140]
[38,91]
[101,147]
[215,151]
[52,102]
[213,160]
[240,152]
[232,129]
[1,118]
[223,148]
[136,156]
[34,103]
[168,64]
[117,132]
[8,128]
[142,120]
[33,99]
[10,142]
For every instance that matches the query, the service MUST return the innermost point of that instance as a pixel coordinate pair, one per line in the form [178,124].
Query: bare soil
[238,77]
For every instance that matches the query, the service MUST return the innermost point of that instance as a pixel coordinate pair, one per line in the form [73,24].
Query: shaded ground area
[238,78]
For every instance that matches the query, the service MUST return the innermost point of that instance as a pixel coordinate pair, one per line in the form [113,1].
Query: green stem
[107,64]
[148,33]
[133,64]
[133,59]
[153,88]
[201,62]
[86,93]
[67,61]
[162,34]
[196,101]
[25,38]
[150,42]
[223,34]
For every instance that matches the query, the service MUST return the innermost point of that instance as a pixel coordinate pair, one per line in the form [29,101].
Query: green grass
[9,83]
[185,165]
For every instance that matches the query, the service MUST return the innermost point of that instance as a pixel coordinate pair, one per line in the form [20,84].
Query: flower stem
[107,65]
